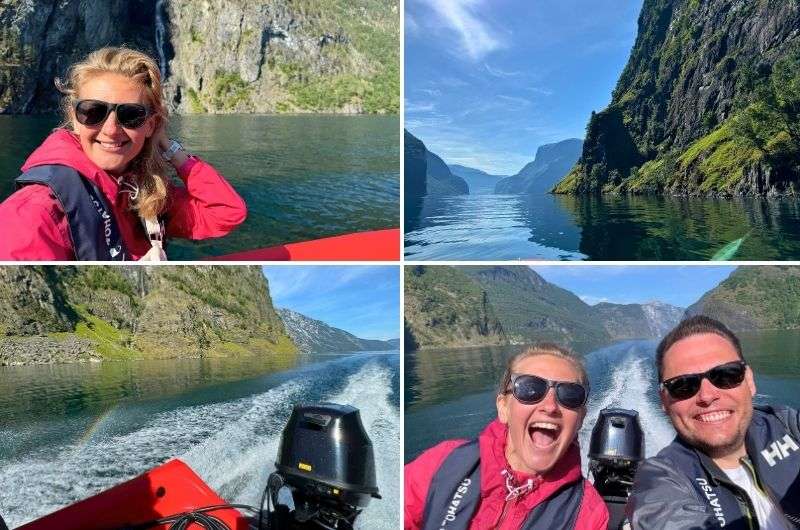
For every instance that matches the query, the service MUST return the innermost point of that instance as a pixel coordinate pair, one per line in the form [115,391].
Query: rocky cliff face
[445,308]
[754,298]
[136,312]
[451,306]
[707,104]
[426,173]
[551,163]
[638,321]
[217,55]
[313,336]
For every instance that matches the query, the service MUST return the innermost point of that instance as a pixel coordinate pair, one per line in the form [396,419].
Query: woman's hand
[163,142]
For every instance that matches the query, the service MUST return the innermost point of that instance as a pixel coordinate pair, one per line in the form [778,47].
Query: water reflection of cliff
[669,228]
[431,375]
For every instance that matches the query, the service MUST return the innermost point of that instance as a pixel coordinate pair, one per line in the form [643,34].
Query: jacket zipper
[502,517]
[750,469]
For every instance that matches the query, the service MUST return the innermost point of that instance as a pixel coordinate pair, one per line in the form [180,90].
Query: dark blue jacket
[681,488]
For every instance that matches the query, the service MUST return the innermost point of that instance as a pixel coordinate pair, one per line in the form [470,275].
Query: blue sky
[680,286]
[363,300]
[488,81]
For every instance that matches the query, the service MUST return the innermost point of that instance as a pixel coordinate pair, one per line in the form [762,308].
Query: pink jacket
[494,512]
[34,227]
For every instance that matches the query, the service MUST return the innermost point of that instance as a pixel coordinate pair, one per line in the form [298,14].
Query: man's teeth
[714,416]
[544,425]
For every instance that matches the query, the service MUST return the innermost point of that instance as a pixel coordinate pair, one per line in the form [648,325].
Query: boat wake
[232,445]
[631,385]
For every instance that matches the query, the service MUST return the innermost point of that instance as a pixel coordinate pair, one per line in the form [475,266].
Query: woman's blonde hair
[544,348]
[147,170]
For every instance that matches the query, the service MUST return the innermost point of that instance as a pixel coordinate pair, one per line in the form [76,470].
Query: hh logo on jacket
[779,450]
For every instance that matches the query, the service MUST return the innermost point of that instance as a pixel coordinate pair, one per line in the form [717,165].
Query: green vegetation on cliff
[753,298]
[221,56]
[446,308]
[478,306]
[703,106]
[138,312]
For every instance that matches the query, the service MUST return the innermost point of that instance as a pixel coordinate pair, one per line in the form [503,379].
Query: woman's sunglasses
[92,112]
[530,389]
[728,375]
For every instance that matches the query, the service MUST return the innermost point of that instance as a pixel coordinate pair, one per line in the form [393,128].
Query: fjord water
[607,227]
[451,393]
[70,431]
[302,177]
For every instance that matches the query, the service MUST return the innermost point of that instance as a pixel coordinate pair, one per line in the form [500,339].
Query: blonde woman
[97,188]
[523,471]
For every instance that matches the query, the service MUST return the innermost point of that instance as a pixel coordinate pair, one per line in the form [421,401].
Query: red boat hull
[169,489]
[375,245]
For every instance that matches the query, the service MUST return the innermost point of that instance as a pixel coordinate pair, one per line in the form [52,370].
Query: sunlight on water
[231,444]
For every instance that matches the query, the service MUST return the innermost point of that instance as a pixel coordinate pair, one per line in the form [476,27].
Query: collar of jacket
[713,471]
[63,147]
[492,442]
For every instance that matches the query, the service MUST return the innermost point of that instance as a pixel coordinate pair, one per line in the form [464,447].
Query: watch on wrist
[173,148]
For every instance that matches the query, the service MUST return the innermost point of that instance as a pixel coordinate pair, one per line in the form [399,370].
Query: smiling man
[523,471]
[732,465]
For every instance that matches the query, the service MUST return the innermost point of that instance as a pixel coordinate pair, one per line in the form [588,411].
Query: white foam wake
[631,387]
[232,445]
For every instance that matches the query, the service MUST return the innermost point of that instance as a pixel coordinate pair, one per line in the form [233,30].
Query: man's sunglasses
[728,375]
[92,112]
[530,389]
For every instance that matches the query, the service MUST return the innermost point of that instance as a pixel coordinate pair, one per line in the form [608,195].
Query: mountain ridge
[315,336]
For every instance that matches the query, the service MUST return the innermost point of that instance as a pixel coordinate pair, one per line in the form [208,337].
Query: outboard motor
[615,451]
[326,460]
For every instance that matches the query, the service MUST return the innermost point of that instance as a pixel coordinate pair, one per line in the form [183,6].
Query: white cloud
[593,300]
[497,72]
[418,106]
[477,38]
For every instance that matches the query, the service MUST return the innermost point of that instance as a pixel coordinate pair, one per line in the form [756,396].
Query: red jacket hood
[63,147]
[492,443]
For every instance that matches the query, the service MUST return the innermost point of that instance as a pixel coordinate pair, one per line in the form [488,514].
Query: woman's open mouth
[543,434]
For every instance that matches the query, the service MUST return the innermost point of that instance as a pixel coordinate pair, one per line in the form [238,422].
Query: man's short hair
[696,325]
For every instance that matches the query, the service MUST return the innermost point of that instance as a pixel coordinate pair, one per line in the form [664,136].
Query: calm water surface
[550,227]
[69,431]
[451,393]
[303,177]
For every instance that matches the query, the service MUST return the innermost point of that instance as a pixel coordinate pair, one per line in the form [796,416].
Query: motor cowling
[326,458]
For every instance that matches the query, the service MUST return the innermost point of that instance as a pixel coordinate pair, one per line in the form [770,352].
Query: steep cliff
[637,321]
[708,103]
[445,308]
[754,298]
[313,336]
[426,173]
[551,163]
[459,306]
[136,312]
[217,55]
[532,309]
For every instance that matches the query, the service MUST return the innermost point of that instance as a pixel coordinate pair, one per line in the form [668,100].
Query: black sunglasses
[94,112]
[529,389]
[725,376]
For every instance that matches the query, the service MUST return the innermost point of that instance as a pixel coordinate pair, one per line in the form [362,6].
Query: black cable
[181,521]
[261,510]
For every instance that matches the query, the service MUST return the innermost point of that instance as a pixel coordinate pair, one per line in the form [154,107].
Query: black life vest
[454,495]
[92,226]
